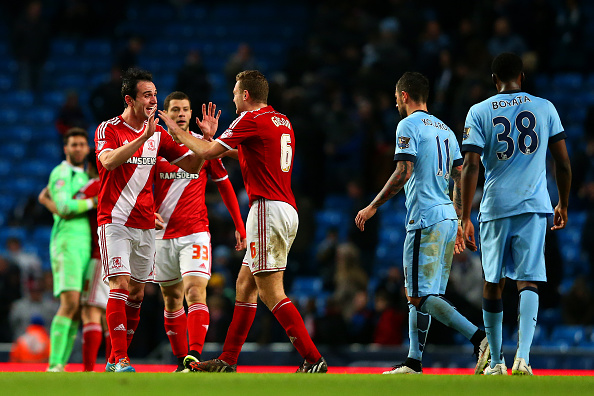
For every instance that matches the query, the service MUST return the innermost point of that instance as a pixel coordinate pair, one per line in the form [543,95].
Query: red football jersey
[266,143]
[179,196]
[90,190]
[125,195]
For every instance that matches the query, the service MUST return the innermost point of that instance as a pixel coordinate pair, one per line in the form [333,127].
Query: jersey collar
[510,91]
[422,111]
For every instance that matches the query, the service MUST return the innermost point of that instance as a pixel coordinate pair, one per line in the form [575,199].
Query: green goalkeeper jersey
[65,181]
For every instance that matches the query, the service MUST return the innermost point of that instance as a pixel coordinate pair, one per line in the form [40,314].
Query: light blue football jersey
[432,146]
[511,131]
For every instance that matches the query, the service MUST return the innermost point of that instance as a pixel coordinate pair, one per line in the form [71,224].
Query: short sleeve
[238,131]
[473,137]
[455,151]
[170,150]
[106,139]
[555,126]
[406,142]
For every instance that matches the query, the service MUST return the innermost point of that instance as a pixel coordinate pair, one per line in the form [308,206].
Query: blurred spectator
[360,324]
[70,115]
[504,39]
[31,45]
[192,79]
[326,257]
[33,345]
[35,305]
[568,50]
[128,56]
[10,291]
[389,322]
[349,278]
[392,285]
[466,280]
[106,99]
[241,60]
[433,42]
[29,263]
[75,19]
[577,305]
[331,328]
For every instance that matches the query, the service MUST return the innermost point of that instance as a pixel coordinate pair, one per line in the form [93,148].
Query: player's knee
[416,301]
[196,294]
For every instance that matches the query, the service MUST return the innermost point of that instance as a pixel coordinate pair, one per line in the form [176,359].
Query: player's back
[513,129]
[266,154]
[435,147]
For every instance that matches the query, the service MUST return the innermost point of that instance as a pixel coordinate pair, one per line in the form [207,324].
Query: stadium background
[332,68]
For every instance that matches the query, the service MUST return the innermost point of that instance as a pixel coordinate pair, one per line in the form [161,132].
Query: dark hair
[75,132]
[255,83]
[507,66]
[415,85]
[130,80]
[175,95]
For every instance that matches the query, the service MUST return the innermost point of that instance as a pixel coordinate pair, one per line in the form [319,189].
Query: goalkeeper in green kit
[70,245]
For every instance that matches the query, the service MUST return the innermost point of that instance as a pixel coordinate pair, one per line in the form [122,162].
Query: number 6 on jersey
[286,152]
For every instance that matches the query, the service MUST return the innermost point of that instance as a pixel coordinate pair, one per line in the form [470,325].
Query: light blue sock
[443,311]
[527,313]
[418,328]
[493,318]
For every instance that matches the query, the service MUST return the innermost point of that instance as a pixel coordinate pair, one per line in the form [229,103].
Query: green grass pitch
[166,384]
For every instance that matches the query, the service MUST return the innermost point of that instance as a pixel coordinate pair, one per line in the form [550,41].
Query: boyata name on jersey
[439,125]
[177,175]
[518,100]
[142,160]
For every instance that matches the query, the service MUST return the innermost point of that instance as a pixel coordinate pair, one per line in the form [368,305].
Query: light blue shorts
[513,247]
[427,258]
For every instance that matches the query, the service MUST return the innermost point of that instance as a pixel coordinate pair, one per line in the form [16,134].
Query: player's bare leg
[272,293]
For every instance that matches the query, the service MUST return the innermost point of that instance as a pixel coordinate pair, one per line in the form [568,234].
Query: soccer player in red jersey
[265,142]
[183,261]
[127,147]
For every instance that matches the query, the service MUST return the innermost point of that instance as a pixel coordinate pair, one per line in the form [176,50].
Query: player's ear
[494,78]
[128,99]
[522,78]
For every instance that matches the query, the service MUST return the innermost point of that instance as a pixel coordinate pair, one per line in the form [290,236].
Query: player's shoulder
[110,123]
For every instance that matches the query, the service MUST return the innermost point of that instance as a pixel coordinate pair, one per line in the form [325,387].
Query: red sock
[116,320]
[288,316]
[176,327]
[108,347]
[91,341]
[133,317]
[243,317]
[198,321]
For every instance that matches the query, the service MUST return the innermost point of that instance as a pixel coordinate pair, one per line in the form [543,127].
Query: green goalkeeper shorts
[70,257]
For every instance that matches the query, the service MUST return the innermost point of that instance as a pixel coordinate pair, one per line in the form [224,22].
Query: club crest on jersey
[227,134]
[116,263]
[59,183]
[466,133]
[403,142]
[151,145]
[100,144]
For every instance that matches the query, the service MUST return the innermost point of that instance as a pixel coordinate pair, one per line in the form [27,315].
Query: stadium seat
[13,151]
[63,47]
[97,48]
[309,285]
[6,82]
[17,98]
[573,335]
[10,232]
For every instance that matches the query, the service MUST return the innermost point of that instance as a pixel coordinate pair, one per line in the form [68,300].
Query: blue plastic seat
[97,48]
[63,47]
[12,232]
[13,151]
[573,335]
[17,98]
[309,285]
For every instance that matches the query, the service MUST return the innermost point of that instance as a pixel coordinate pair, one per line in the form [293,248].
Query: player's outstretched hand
[159,222]
[172,128]
[151,125]
[210,120]
[241,243]
[364,215]
[468,230]
[560,219]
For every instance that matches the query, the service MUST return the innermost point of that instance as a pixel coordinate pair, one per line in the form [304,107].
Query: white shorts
[271,228]
[179,257]
[127,251]
[95,292]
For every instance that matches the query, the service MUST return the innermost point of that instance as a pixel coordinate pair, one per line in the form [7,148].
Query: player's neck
[255,106]
[412,107]
[509,86]
[132,119]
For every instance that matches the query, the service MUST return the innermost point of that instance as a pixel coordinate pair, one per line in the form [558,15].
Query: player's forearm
[191,163]
[457,193]
[230,200]
[468,187]
[70,207]
[113,158]
[198,146]
[394,183]
[563,178]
